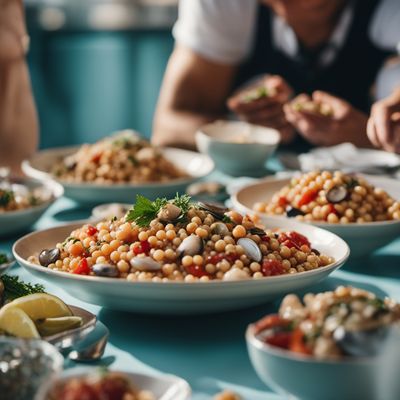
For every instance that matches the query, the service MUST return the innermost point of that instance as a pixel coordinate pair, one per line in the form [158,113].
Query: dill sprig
[14,287]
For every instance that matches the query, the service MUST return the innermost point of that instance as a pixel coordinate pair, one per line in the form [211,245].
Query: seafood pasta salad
[121,158]
[333,197]
[180,240]
[345,322]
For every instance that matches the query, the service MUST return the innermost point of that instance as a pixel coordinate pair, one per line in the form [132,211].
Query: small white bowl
[363,238]
[12,222]
[238,148]
[165,387]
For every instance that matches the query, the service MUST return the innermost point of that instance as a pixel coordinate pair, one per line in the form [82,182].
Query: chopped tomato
[280,339]
[332,209]
[91,230]
[142,247]
[196,270]
[78,391]
[215,259]
[266,238]
[282,201]
[299,239]
[82,268]
[96,158]
[308,196]
[271,321]
[272,267]
[113,388]
[297,343]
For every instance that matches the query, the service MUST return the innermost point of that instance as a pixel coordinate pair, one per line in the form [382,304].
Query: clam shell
[219,228]
[190,246]
[145,264]
[250,248]
[214,209]
[169,213]
[108,270]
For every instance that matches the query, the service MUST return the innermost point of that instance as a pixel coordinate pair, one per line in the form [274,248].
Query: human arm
[18,120]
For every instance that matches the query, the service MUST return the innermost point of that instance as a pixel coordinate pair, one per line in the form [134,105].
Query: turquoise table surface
[208,351]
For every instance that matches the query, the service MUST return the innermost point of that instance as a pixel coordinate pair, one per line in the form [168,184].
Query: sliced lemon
[17,323]
[51,326]
[41,306]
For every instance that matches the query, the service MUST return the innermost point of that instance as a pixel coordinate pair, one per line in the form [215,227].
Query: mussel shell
[250,248]
[214,209]
[108,270]
[337,194]
[219,228]
[49,256]
[191,246]
[169,213]
[292,212]
[145,264]
[360,343]
[257,231]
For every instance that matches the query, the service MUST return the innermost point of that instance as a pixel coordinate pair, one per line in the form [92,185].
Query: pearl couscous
[333,197]
[12,200]
[120,158]
[181,241]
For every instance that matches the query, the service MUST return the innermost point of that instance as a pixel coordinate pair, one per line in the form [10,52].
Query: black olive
[316,252]
[292,212]
[49,256]
[105,270]
[257,231]
[214,209]
[337,194]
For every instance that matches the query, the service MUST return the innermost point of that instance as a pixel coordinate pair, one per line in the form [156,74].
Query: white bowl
[165,387]
[248,158]
[194,164]
[12,222]
[180,297]
[363,238]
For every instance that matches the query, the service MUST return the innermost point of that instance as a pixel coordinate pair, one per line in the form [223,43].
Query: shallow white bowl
[363,239]
[248,158]
[180,297]
[12,222]
[164,387]
[194,164]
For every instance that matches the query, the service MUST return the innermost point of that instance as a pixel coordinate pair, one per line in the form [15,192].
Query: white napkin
[349,158]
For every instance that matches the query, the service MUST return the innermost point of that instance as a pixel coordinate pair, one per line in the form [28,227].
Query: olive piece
[360,343]
[337,194]
[257,231]
[214,209]
[49,256]
[108,270]
[292,212]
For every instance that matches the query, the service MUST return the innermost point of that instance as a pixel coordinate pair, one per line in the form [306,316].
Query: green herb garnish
[133,161]
[14,288]
[6,196]
[255,94]
[352,184]
[377,303]
[145,210]
[226,220]
[3,258]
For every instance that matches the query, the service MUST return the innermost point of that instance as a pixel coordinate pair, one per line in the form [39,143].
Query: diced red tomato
[332,210]
[266,238]
[215,259]
[91,230]
[142,247]
[113,388]
[297,343]
[96,158]
[282,201]
[272,267]
[271,321]
[308,197]
[280,339]
[196,270]
[82,268]
[78,391]
[299,239]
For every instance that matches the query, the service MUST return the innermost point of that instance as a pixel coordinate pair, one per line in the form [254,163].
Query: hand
[343,123]
[266,110]
[384,123]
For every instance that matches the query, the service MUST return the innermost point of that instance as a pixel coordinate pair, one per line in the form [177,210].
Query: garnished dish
[18,197]
[120,158]
[332,197]
[100,385]
[346,322]
[179,240]
[28,312]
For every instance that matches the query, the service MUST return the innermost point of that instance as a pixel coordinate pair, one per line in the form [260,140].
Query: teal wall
[88,84]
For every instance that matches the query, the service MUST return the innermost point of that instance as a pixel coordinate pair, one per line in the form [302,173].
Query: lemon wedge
[51,326]
[17,323]
[40,306]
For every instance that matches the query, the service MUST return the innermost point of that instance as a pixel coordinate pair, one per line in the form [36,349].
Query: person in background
[320,48]
[18,120]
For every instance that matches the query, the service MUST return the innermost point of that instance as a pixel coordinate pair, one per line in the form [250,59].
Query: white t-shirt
[223,30]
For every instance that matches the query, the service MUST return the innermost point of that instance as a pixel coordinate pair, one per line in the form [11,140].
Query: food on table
[227,395]
[3,259]
[312,107]
[257,94]
[17,199]
[102,385]
[33,315]
[121,158]
[110,210]
[345,322]
[333,197]
[181,240]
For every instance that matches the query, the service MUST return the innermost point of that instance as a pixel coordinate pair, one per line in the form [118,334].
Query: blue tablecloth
[208,351]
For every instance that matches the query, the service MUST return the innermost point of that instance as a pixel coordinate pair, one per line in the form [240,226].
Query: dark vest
[350,76]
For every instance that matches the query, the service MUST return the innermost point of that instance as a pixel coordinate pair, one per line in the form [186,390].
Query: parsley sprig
[145,210]
[14,287]
[6,196]
[3,258]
